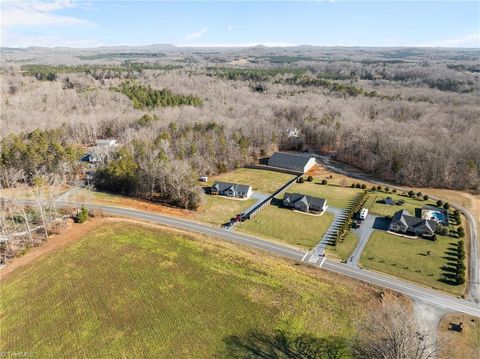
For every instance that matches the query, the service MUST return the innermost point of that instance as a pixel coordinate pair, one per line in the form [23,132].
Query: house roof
[309,200]
[223,186]
[408,220]
[289,159]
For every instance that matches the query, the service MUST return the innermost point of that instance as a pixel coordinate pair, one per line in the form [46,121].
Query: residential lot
[286,225]
[147,291]
[219,209]
[409,259]
[376,206]
[336,195]
[261,180]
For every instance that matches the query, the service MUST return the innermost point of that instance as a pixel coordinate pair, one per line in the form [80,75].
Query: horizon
[94,24]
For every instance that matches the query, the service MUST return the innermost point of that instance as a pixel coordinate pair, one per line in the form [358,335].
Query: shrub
[456,212]
[358,185]
[419,194]
[387,189]
[460,278]
[82,215]
[324,181]
[461,233]
[353,185]
[301,180]
[439,203]
[411,193]
[310,178]
[425,197]
[364,186]
[446,206]
[394,190]
[458,220]
[374,188]
[379,188]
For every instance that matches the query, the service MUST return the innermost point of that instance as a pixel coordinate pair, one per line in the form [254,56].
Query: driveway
[260,197]
[363,234]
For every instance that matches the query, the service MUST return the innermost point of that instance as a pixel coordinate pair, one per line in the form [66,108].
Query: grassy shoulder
[459,345]
[261,180]
[418,260]
[129,290]
[283,224]
[343,250]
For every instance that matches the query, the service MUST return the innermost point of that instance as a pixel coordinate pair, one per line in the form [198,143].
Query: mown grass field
[343,250]
[376,207]
[261,180]
[408,259]
[219,210]
[131,291]
[336,196]
[288,226]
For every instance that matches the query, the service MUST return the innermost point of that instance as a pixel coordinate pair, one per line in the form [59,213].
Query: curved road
[474,282]
[435,298]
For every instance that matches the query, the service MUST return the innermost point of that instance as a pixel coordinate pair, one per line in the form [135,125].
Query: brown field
[455,345]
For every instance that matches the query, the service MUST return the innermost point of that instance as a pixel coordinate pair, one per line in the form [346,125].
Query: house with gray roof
[304,203]
[404,222]
[231,190]
[292,161]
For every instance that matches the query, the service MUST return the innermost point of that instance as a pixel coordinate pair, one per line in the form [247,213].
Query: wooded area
[408,116]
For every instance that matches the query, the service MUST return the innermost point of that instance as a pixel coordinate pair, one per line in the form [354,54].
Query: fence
[254,211]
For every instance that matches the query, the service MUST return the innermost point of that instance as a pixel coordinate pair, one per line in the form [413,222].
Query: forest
[411,117]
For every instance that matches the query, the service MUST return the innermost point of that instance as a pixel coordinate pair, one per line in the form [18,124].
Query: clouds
[229,27]
[26,40]
[197,34]
[469,40]
[16,13]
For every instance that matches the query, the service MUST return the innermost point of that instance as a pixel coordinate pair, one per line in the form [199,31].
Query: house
[304,203]
[231,190]
[403,222]
[99,152]
[296,162]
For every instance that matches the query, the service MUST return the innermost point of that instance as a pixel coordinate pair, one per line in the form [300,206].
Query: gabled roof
[223,186]
[309,200]
[290,159]
[408,220]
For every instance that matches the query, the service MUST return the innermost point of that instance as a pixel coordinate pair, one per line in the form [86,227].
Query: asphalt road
[435,298]
[474,281]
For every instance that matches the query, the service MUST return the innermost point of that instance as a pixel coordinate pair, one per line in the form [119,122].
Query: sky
[240,23]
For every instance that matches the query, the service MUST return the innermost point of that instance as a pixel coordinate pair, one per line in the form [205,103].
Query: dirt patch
[459,345]
[143,205]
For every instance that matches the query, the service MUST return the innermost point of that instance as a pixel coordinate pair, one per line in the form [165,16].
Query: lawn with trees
[431,263]
[336,195]
[134,290]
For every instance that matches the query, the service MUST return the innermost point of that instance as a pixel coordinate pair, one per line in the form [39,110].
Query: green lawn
[260,180]
[219,210]
[406,258]
[343,250]
[131,291]
[336,196]
[382,209]
[288,226]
